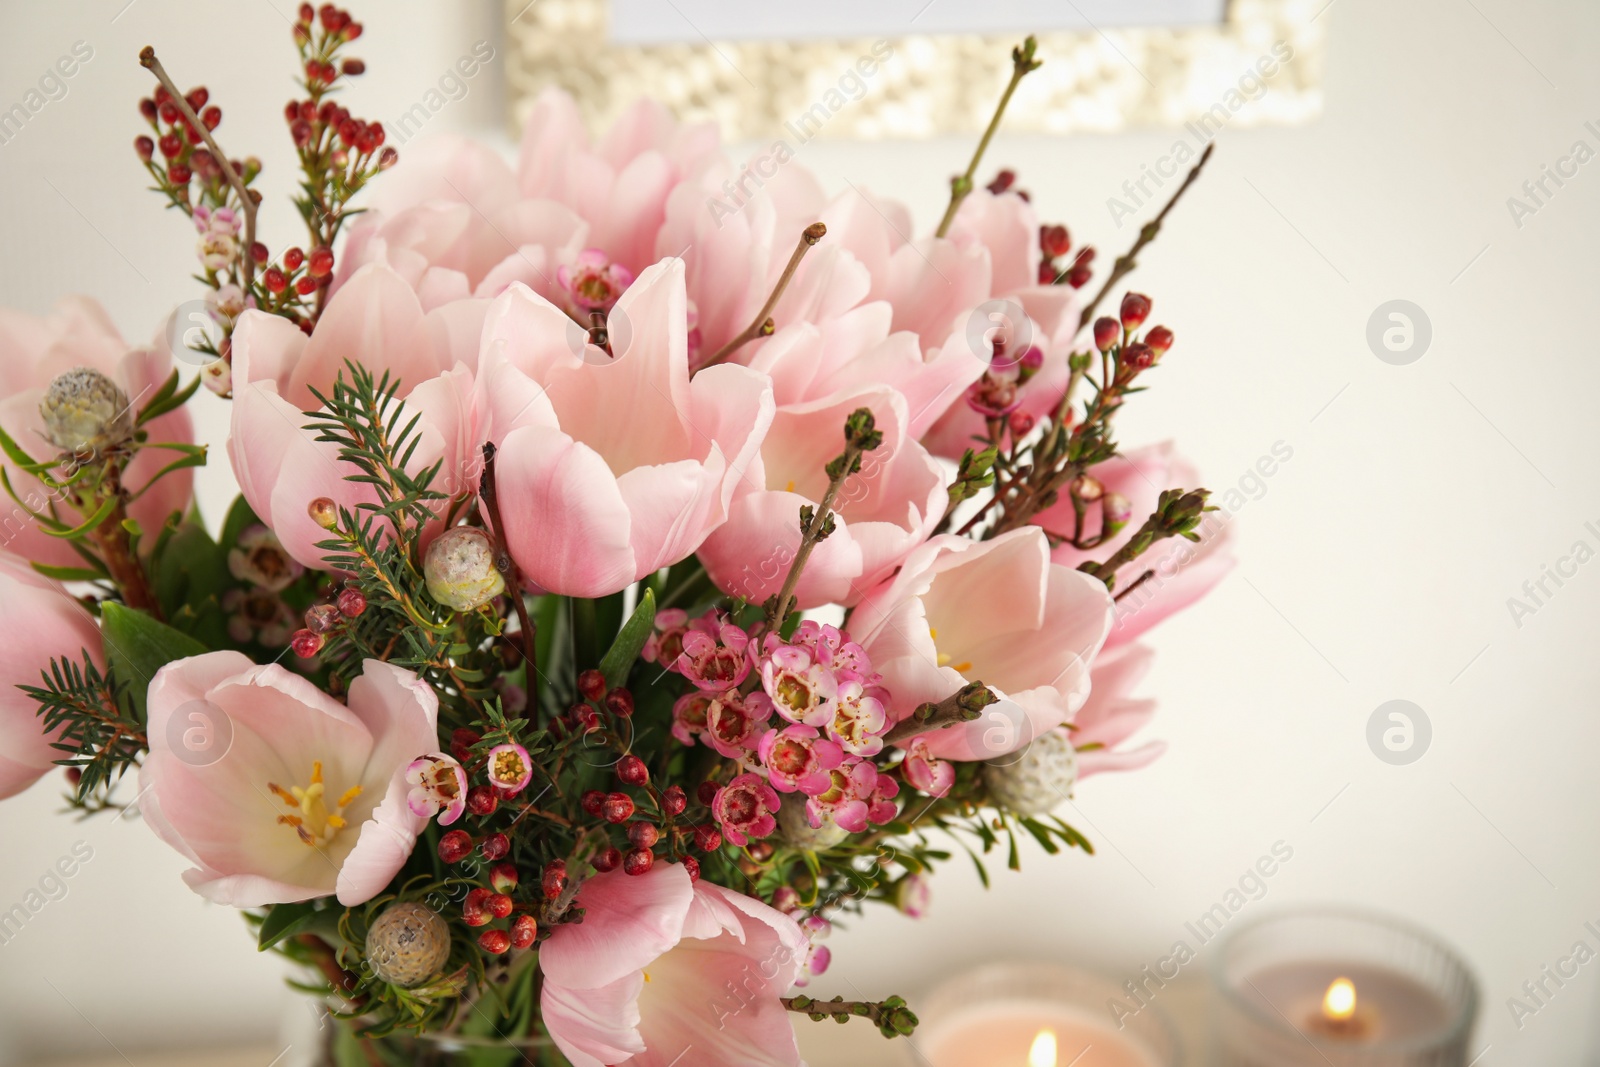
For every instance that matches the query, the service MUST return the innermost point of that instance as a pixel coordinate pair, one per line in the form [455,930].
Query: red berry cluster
[1054,245]
[184,157]
[1005,182]
[324,618]
[1116,337]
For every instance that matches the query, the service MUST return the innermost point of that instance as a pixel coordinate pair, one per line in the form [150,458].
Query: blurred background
[1412,496]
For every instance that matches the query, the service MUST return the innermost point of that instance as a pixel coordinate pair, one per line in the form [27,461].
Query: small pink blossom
[666,641]
[510,768]
[925,772]
[715,661]
[913,895]
[797,757]
[438,787]
[689,714]
[735,723]
[802,689]
[746,808]
[593,281]
[856,795]
[859,720]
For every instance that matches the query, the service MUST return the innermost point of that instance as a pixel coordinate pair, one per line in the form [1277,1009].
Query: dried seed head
[407,944]
[84,412]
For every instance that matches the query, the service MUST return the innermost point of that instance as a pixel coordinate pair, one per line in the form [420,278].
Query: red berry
[673,800]
[301,132]
[638,861]
[692,865]
[554,879]
[178,174]
[1054,241]
[352,603]
[212,117]
[274,280]
[168,112]
[353,67]
[619,702]
[305,286]
[643,834]
[706,792]
[524,929]
[607,859]
[494,942]
[1135,309]
[148,109]
[308,110]
[461,742]
[1160,339]
[592,684]
[162,96]
[388,158]
[321,264]
[1107,332]
[475,909]
[455,846]
[349,130]
[352,31]
[293,258]
[307,13]
[145,147]
[707,838]
[586,717]
[259,253]
[632,771]
[197,98]
[1002,181]
[495,847]
[594,802]
[1079,276]
[321,618]
[618,808]
[291,111]
[1139,355]
[306,644]
[171,145]
[503,876]
[1047,273]
[481,800]
[499,905]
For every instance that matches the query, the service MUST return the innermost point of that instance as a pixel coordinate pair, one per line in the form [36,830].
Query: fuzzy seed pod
[796,829]
[84,411]
[408,944]
[1036,779]
[460,569]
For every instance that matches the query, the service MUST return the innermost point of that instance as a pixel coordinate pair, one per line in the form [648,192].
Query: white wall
[1376,565]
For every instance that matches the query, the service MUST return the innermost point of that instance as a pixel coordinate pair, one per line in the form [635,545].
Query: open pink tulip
[612,466]
[993,611]
[1110,716]
[664,970]
[377,321]
[884,510]
[1185,571]
[276,791]
[41,622]
[33,351]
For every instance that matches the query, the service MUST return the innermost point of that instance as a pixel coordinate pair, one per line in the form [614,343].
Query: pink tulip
[377,321]
[663,970]
[276,791]
[612,466]
[43,623]
[884,510]
[993,611]
[1184,571]
[1110,716]
[33,351]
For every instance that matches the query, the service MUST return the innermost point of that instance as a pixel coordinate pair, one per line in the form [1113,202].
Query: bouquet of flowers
[620,591]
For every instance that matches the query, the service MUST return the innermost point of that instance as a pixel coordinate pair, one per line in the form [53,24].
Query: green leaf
[99,516]
[618,661]
[68,574]
[240,518]
[15,453]
[285,920]
[168,398]
[137,646]
[189,575]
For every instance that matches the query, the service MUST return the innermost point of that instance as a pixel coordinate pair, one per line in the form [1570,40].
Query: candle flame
[1339,1003]
[1043,1052]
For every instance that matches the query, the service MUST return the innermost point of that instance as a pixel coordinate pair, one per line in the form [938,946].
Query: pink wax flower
[376,321]
[592,281]
[666,639]
[735,722]
[1184,571]
[42,622]
[715,661]
[746,808]
[802,689]
[993,611]
[661,964]
[294,795]
[883,511]
[438,787]
[913,895]
[689,715]
[859,719]
[509,768]
[856,795]
[1110,716]
[925,772]
[612,465]
[33,351]
[798,757]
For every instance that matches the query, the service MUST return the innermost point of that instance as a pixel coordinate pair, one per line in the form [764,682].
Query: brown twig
[116,550]
[1126,262]
[508,567]
[964,705]
[148,60]
[1022,63]
[327,961]
[763,324]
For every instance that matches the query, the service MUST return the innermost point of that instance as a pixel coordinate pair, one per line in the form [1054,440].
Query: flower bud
[607,859]
[323,512]
[638,861]
[673,800]
[1087,488]
[1135,309]
[1107,332]
[84,411]
[524,930]
[618,808]
[351,603]
[553,881]
[691,865]
[1159,339]
[460,569]
[455,846]
[1115,511]
[592,685]
[494,942]
[631,770]
[145,147]
[1139,355]
[1054,241]
[495,847]
[643,834]
[321,618]
[407,944]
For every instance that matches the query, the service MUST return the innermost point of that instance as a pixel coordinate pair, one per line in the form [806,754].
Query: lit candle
[1032,1015]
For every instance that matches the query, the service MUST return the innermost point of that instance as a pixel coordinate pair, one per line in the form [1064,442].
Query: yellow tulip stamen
[314,823]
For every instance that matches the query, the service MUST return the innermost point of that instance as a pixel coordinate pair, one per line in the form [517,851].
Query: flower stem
[1022,63]
[763,324]
[247,204]
[964,705]
[116,549]
[508,566]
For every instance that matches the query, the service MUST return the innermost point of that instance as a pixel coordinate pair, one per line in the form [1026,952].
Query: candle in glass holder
[1034,1015]
[1329,987]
